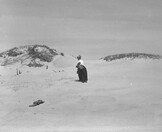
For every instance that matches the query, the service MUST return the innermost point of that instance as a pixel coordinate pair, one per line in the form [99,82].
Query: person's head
[79,57]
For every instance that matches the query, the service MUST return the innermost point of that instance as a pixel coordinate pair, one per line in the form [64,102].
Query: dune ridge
[30,55]
[131,56]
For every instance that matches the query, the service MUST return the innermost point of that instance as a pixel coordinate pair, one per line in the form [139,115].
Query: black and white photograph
[80,65]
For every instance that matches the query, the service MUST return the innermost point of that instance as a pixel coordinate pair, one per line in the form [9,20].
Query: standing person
[82,71]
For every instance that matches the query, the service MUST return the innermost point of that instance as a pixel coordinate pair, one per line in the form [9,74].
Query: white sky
[89,26]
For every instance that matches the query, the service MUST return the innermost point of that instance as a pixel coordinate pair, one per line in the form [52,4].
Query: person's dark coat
[82,73]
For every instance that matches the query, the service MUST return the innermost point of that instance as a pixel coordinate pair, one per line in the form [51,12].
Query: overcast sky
[114,25]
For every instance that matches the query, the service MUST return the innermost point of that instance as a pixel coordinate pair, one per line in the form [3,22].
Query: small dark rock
[35,103]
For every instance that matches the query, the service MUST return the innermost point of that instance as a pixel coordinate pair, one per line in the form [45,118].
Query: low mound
[31,55]
[131,56]
[63,61]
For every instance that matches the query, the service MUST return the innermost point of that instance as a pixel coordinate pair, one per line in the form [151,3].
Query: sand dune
[64,61]
[122,96]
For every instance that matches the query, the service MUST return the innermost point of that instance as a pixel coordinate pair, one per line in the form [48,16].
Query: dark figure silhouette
[82,71]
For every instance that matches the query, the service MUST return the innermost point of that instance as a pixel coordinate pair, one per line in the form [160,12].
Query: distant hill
[131,56]
[30,55]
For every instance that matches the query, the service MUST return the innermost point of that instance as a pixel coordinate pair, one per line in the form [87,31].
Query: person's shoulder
[80,61]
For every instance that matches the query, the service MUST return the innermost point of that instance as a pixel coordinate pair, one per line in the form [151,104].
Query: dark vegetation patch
[132,56]
[62,54]
[12,52]
[35,64]
[32,52]
[46,56]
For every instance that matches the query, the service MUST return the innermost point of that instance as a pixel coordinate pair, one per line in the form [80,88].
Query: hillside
[131,56]
[30,55]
